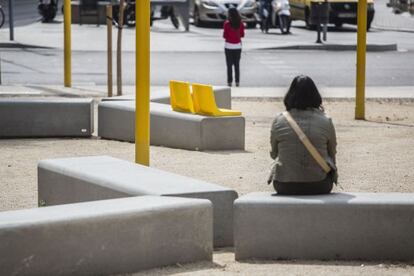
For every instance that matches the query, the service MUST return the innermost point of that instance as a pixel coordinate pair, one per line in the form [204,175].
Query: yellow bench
[201,101]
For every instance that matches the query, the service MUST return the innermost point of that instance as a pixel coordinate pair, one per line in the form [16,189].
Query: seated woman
[296,171]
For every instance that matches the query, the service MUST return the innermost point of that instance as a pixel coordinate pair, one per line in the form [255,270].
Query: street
[262,68]
[25,12]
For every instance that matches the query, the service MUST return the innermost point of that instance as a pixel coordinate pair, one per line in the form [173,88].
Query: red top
[233,35]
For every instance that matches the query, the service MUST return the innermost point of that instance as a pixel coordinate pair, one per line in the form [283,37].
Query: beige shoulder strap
[308,145]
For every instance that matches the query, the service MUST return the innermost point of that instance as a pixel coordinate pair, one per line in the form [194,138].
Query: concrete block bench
[105,237]
[46,117]
[69,180]
[343,226]
[162,95]
[116,120]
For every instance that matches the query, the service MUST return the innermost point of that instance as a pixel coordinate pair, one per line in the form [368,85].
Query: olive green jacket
[293,162]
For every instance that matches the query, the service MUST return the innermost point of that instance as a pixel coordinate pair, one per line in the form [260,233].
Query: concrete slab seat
[116,120]
[105,237]
[46,118]
[343,226]
[69,180]
[222,95]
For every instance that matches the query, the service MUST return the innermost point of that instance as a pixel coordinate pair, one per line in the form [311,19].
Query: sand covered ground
[376,155]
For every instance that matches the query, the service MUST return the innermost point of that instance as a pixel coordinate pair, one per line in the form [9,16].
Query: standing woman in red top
[232,33]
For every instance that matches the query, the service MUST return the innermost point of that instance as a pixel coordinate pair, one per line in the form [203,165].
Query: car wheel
[197,20]
[251,25]
[130,17]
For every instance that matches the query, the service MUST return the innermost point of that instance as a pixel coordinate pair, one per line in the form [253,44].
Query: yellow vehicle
[340,11]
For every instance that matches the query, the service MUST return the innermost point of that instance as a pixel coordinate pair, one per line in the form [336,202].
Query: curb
[403,30]
[16,45]
[335,47]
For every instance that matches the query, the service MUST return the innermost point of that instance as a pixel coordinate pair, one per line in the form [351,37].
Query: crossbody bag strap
[308,145]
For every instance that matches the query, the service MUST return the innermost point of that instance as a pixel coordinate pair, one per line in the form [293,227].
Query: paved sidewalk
[403,92]
[164,38]
[387,20]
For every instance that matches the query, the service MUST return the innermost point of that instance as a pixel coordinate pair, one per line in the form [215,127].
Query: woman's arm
[225,29]
[332,141]
[273,141]
[241,29]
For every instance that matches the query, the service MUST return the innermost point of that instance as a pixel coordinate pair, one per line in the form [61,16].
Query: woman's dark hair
[234,18]
[303,94]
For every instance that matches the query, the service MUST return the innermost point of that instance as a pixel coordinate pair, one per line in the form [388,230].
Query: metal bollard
[0,69]
[11,20]
[325,24]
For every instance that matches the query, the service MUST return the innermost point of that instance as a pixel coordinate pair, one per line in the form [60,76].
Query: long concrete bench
[343,226]
[69,180]
[46,117]
[105,237]
[222,95]
[116,120]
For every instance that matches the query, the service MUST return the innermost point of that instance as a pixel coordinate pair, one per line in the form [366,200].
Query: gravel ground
[375,155]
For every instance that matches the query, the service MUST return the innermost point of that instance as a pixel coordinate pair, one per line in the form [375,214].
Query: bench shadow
[325,198]
[349,263]
[179,268]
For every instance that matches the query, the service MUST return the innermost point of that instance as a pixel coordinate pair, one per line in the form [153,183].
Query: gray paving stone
[116,120]
[342,226]
[105,237]
[70,180]
[46,117]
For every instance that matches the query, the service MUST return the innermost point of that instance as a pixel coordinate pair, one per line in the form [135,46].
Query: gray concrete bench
[105,237]
[116,120]
[222,95]
[46,117]
[69,180]
[347,226]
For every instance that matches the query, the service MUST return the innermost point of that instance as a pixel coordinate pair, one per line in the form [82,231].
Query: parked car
[340,11]
[204,11]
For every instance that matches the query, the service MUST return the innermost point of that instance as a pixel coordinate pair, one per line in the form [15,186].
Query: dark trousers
[304,188]
[233,59]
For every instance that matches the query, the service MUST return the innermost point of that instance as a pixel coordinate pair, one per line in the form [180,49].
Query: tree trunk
[119,49]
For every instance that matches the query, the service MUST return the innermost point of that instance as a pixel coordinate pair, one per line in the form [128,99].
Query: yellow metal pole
[361,58]
[142,79]
[67,18]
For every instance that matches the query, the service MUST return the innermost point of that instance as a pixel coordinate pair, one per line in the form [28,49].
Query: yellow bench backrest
[180,96]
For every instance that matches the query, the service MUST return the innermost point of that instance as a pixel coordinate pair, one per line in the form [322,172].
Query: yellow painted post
[142,81]
[67,18]
[361,58]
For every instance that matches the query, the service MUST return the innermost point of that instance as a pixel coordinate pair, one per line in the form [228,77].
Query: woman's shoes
[229,84]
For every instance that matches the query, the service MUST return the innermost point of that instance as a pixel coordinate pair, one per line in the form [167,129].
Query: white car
[204,11]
